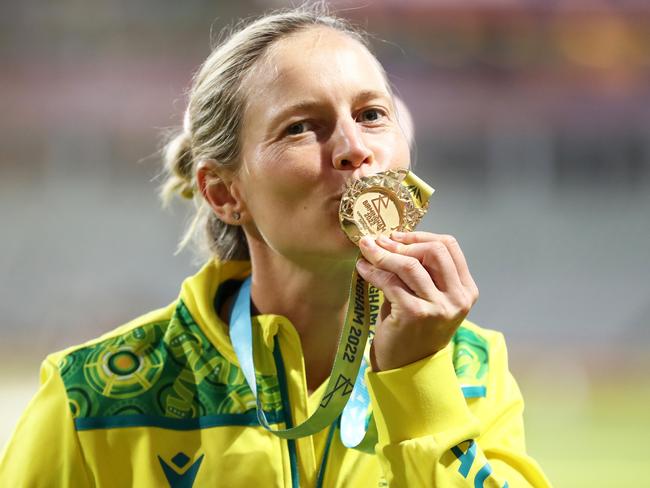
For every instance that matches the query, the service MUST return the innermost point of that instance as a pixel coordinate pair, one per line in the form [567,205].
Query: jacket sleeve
[44,449]
[430,437]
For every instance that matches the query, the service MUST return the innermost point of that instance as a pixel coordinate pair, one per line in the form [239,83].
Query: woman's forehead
[315,63]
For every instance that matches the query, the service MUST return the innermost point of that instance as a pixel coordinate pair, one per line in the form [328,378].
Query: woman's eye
[371,115]
[297,128]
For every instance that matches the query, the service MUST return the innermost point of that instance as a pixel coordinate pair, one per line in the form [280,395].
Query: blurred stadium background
[533,124]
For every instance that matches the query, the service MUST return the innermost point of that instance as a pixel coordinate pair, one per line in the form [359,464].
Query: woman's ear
[220,193]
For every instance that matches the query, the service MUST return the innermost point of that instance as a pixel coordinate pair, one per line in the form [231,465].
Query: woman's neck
[313,295]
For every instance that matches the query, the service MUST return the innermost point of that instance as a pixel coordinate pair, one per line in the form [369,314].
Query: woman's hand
[428,291]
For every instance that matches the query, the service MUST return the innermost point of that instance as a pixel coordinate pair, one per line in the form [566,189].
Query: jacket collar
[203,294]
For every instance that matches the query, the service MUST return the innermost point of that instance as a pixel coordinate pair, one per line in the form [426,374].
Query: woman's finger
[393,288]
[434,256]
[452,245]
[408,269]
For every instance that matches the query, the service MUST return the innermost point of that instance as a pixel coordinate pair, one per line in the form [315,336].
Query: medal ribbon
[346,364]
[420,191]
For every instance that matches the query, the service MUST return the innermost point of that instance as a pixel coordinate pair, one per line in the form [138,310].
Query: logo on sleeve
[180,475]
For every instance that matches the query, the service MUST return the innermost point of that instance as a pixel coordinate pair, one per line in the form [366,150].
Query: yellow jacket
[161,402]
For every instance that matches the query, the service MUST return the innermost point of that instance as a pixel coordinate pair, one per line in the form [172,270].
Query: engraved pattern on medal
[376,213]
[378,204]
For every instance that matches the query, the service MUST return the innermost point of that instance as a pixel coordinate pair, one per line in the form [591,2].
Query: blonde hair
[213,119]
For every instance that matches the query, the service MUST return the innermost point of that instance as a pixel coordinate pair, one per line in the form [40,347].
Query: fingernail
[362,265]
[383,239]
[367,242]
[396,235]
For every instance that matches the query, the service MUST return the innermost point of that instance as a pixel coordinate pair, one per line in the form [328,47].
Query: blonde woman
[282,115]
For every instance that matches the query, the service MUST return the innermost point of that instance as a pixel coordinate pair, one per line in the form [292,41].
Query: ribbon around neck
[347,362]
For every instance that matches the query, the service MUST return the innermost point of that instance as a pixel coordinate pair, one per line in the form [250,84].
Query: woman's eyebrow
[366,95]
[301,106]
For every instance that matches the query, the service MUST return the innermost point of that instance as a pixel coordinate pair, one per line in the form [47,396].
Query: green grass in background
[593,436]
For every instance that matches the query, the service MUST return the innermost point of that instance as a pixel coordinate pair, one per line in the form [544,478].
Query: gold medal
[381,203]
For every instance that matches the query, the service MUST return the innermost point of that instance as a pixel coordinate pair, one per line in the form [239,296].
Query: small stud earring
[236,215]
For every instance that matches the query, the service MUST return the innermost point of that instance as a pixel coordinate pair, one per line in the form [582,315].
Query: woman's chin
[345,247]
[337,248]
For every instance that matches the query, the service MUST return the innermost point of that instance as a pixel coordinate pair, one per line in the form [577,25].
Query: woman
[281,116]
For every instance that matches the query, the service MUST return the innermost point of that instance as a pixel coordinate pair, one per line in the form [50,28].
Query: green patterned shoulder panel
[471,360]
[164,373]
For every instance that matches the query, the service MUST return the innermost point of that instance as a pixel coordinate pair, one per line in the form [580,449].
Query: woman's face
[319,113]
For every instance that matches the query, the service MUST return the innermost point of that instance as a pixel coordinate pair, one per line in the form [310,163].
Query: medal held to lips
[382,203]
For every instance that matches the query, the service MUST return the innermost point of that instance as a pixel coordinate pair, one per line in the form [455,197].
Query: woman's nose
[350,151]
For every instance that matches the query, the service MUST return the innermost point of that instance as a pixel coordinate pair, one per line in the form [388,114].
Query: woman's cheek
[401,153]
[392,151]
